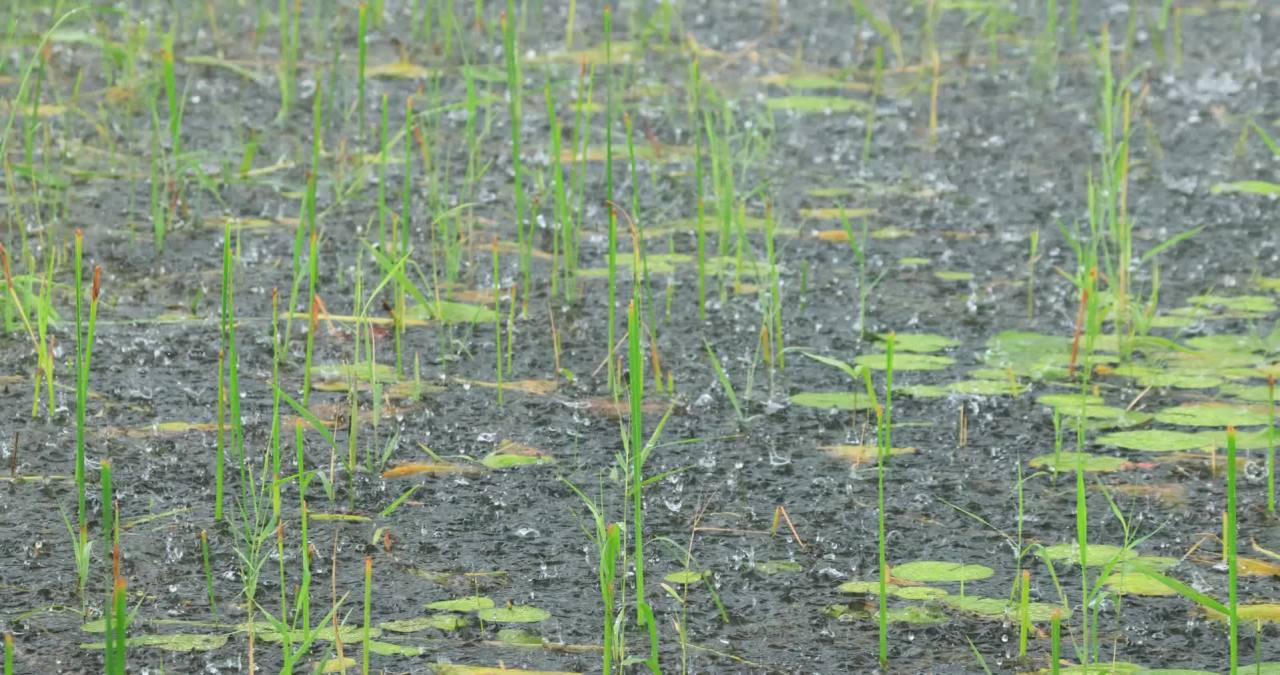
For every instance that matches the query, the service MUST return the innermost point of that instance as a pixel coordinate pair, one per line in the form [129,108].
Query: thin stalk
[208,572]
[886,444]
[368,607]
[362,25]
[1229,544]
[608,182]
[514,90]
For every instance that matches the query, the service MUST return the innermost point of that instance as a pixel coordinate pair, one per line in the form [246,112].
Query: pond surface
[459,429]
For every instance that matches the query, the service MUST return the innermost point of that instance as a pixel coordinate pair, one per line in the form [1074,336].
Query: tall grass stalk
[110,646]
[1271,443]
[695,87]
[1229,546]
[85,326]
[563,219]
[635,367]
[612,298]
[8,654]
[876,83]
[515,89]
[884,437]
[208,572]
[366,647]
[362,26]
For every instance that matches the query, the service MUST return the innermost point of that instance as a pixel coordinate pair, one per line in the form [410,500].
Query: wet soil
[1011,155]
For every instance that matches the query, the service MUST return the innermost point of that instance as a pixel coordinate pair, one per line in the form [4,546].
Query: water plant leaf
[998,608]
[834,213]
[459,669]
[472,603]
[445,622]
[451,312]
[514,614]
[983,387]
[936,571]
[1029,354]
[921,391]
[778,567]
[920,343]
[1100,555]
[911,614]
[816,104]
[809,80]
[904,362]
[431,468]
[1129,582]
[520,637]
[401,70]
[510,454]
[687,577]
[841,400]
[862,454]
[953,275]
[1259,611]
[1214,414]
[1154,440]
[1069,461]
[172,642]
[392,649]
[904,592]
[1251,187]
[1261,304]
[911,261]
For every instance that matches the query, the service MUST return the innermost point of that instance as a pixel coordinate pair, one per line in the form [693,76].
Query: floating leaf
[1098,554]
[816,104]
[172,642]
[1069,461]
[1154,440]
[953,275]
[401,70]
[921,391]
[510,454]
[836,213]
[520,637]
[1128,582]
[472,603]
[391,649]
[1251,187]
[778,567]
[998,608]
[934,571]
[1214,415]
[445,622]
[431,468]
[983,388]
[904,592]
[903,362]
[452,312]
[842,400]
[514,614]
[911,614]
[921,343]
[913,262]
[687,577]
[458,669]
[338,665]
[862,454]
[1261,611]
[802,80]
[1240,303]
[1029,354]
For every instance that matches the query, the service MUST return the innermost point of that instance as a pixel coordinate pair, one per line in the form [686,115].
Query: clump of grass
[515,89]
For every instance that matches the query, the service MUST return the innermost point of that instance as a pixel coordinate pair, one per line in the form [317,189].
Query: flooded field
[541,336]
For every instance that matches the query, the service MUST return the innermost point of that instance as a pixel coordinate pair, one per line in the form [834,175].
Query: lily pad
[920,343]
[921,391]
[1129,582]
[984,388]
[1098,554]
[445,622]
[1214,415]
[841,400]
[904,592]
[998,608]
[935,571]
[472,603]
[816,104]
[172,642]
[514,614]
[904,362]
[911,614]
[520,637]
[953,275]
[686,577]
[1154,440]
[392,649]
[452,312]
[1070,461]
[778,567]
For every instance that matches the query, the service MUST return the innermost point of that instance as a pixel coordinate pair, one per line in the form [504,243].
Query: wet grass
[775,198]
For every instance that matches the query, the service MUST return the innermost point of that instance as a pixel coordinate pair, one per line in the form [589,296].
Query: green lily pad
[816,104]
[936,571]
[953,275]
[1261,304]
[998,608]
[512,454]
[1268,612]
[520,637]
[920,343]
[1029,354]
[392,649]
[778,567]
[171,642]
[904,592]
[445,622]
[1154,440]
[911,614]
[1129,582]
[1214,415]
[913,262]
[472,603]
[983,388]
[514,614]
[1070,403]
[841,400]
[1098,554]
[1227,343]
[908,361]
[686,577]
[1069,461]
[1260,393]
[921,391]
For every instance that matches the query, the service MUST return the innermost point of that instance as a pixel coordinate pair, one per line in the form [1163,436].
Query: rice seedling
[884,438]
[208,572]
[1271,443]
[362,48]
[877,83]
[8,654]
[368,611]
[515,91]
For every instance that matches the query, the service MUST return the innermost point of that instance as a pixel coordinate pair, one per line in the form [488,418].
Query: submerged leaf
[514,614]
